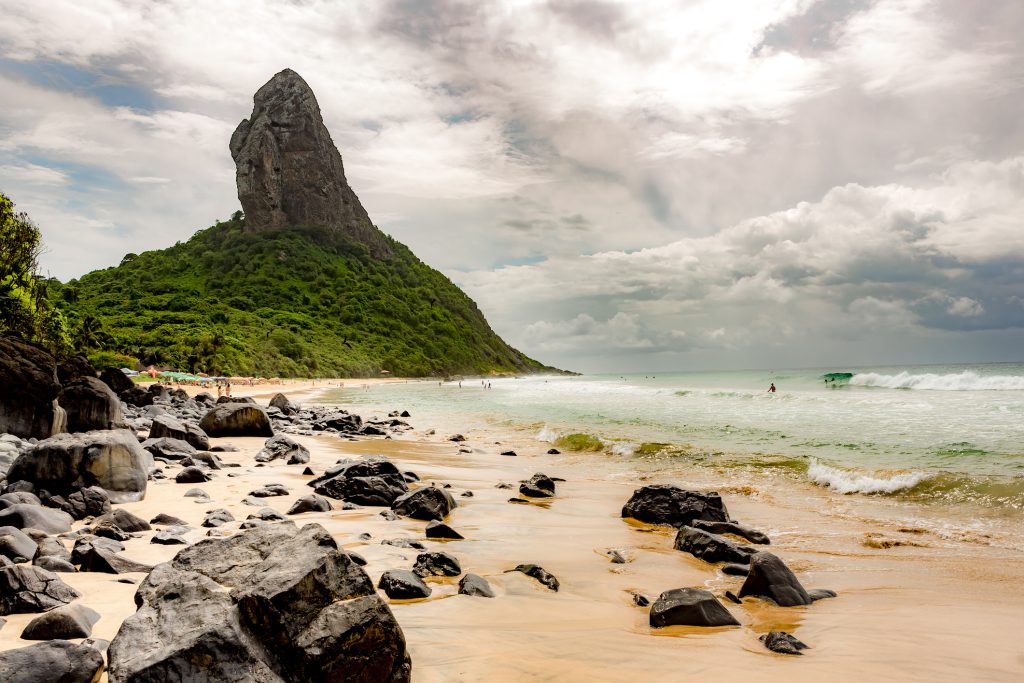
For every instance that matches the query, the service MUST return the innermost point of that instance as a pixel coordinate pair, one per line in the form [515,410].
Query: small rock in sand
[783,643]
[540,574]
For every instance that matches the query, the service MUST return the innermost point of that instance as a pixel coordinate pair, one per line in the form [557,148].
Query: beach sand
[935,608]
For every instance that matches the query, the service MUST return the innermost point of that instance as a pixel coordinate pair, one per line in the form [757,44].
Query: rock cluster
[270,604]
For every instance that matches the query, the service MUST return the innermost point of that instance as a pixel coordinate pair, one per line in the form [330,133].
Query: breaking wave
[547,434]
[963,381]
[844,481]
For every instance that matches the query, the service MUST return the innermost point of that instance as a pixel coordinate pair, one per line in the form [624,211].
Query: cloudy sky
[639,185]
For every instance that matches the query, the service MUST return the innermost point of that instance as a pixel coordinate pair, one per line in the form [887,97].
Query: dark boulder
[783,643]
[690,607]
[126,521]
[538,486]
[710,547]
[24,516]
[100,560]
[170,536]
[164,519]
[165,426]
[378,491]
[436,529]
[90,405]
[191,475]
[28,402]
[70,621]
[112,460]
[56,661]
[14,543]
[54,564]
[667,504]
[25,588]
[475,585]
[91,501]
[400,584]
[342,422]
[283,447]
[426,503]
[297,608]
[310,503]
[116,380]
[540,574]
[769,577]
[746,533]
[218,517]
[169,448]
[436,564]
[281,402]
[236,419]
[71,368]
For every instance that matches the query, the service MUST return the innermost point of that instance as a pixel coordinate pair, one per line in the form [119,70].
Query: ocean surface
[943,434]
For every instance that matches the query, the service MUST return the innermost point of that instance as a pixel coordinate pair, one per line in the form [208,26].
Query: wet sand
[936,609]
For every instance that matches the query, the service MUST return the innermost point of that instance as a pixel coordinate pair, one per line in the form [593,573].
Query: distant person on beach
[771,389]
[227,389]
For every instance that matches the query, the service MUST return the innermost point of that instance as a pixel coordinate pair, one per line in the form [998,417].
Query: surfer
[771,389]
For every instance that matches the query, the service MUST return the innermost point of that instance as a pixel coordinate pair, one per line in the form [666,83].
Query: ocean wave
[844,481]
[623,449]
[962,381]
[546,434]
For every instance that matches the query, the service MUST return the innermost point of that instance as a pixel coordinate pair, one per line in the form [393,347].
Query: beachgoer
[771,389]
[227,390]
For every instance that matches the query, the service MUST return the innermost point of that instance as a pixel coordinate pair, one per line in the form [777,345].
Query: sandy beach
[925,608]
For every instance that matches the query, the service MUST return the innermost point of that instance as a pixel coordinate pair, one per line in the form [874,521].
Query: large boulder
[236,419]
[14,543]
[69,621]
[169,448]
[769,577]
[711,547]
[402,584]
[283,447]
[690,607]
[167,426]
[289,172]
[26,516]
[426,503]
[116,380]
[370,481]
[91,501]
[268,605]
[90,404]
[281,402]
[28,401]
[25,588]
[112,460]
[667,504]
[57,661]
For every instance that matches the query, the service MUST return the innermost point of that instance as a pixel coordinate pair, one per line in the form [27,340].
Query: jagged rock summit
[288,171]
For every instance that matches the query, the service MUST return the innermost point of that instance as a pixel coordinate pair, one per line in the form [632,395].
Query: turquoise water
[953,432]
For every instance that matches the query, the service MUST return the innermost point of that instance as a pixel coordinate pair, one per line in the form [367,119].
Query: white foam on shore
[961,381]
[623,449]
[547,434]
[844,481]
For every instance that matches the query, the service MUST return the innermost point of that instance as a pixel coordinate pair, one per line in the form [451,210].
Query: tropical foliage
[302,302]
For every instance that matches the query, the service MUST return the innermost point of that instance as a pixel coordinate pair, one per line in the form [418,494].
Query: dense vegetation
[299,302]
[25,309]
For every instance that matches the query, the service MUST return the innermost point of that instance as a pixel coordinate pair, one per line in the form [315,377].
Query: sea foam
[547,434]
[844,481]
[962,381]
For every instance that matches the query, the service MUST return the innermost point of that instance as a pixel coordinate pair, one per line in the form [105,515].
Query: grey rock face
[236,419]
[310,503]
[25,516]
[28,402]
[300,609]
[24,588]
[56,660]
[690,607]
[112,460]
[288,171]
[401,584]
[14,543]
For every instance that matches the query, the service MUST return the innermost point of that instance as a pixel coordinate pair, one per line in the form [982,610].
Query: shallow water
[944,434]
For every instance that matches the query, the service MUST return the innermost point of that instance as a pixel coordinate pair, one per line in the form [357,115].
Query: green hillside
[290,303]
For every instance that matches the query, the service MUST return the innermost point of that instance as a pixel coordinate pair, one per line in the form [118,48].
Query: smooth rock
[437,529]
[67,622]
[540,574]
[689,607]
[426,503]
[25,588]
[769,577]
[436,564]
[236,419]
[55,661]
[399,584]
[667,504]
[310,503]
[538,486]
[475,585]
[710,547]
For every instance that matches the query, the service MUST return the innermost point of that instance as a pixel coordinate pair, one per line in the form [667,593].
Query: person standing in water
[771,389]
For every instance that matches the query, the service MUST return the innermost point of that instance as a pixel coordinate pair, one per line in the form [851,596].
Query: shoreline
[930,609]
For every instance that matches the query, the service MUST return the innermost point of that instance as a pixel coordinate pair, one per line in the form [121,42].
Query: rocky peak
[288,171]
